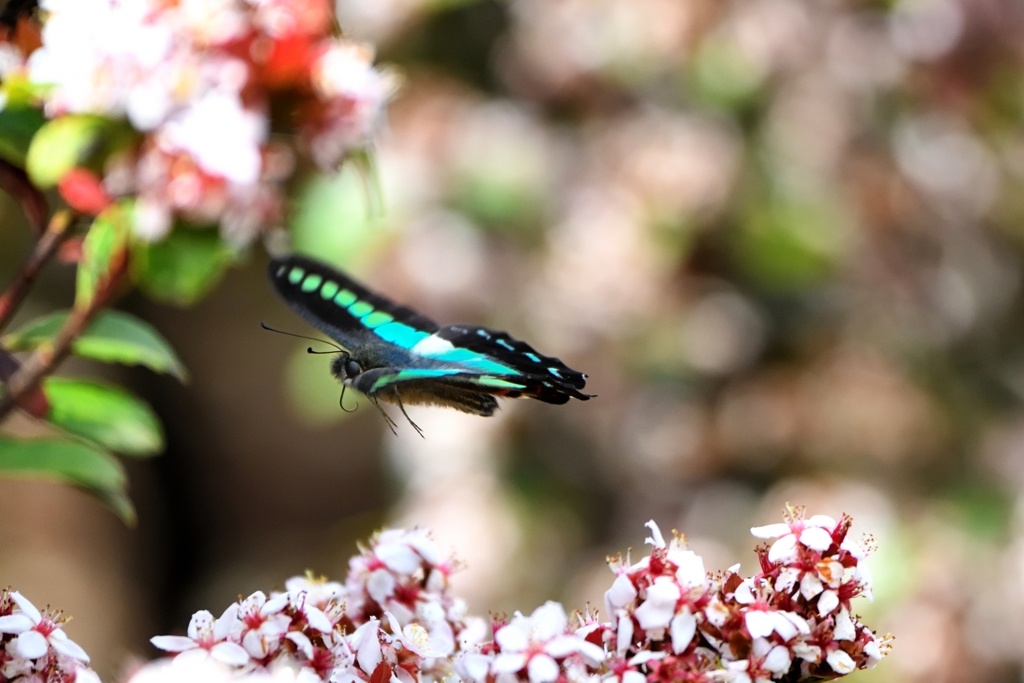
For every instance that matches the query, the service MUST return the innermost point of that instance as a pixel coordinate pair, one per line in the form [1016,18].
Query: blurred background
[785,239]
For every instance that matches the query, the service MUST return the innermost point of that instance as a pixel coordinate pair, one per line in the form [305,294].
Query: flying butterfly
[393,354]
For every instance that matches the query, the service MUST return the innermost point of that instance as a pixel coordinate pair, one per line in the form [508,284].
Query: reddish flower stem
[46,358]
[16,182]
[45,248]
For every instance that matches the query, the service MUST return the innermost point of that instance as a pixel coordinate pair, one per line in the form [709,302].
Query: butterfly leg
[415,426]
[387,418]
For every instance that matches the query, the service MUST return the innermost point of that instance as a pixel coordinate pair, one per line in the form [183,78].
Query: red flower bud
[84,192]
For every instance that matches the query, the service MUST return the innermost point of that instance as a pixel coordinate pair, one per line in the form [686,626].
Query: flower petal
[622,593]
[823,521]
[380,585]
[778,660]
[784,549]
[840,662]
[318,620]
[31,645]
[659,606]
[759,623]
[549,620]
[302,643]
[15,623]
[173,643]
[684,625]
[816,538]
[771,531]
[229,653]
[398,557]
[26,606]
[512,637]
[68,647]
[655,539]
[624,634]
[542,669]
[827,603]
[810,585]
[509,663]
[845,629]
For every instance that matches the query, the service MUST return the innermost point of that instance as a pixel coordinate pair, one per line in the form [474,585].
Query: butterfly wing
[412,358]
[343,309]
[482,360]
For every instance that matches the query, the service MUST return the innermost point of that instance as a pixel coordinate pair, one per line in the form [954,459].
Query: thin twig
[43,251]
[46,358]
[16,183]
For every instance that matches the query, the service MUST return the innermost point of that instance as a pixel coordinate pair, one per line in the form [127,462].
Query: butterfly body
[395,355]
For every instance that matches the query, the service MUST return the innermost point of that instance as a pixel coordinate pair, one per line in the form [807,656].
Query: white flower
[439,641]
[37,633]
[318,592]
[365,643]
[537,641]
[208,636]
[761,622]
[261,624]
[221,135]
[814,533]
[659,605]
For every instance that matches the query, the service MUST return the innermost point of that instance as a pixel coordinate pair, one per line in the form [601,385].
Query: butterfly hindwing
[496,363]
[343,309]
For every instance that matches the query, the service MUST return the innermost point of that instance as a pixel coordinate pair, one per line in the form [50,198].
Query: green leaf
[60,145]
[17,126]
[105,414]
[113,337]
[103,248]
[182,268]
[69,462]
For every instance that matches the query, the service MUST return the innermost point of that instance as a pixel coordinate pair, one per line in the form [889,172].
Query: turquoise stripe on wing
[400,334]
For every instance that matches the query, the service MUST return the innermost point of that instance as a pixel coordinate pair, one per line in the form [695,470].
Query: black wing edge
[548,379]
[319,312]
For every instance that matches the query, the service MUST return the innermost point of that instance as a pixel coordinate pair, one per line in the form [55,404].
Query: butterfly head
[345,368]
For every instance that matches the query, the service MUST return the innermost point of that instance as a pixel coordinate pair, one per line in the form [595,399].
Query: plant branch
[46,358]
[45,248]
[16,182]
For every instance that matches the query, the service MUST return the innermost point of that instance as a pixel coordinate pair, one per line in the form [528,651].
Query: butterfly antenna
[302,336]
[341,401]
[402,407]
[387,418]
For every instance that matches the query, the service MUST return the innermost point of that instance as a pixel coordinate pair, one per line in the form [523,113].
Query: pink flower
[208,637]
[37,632]
[535,643]
[814,533]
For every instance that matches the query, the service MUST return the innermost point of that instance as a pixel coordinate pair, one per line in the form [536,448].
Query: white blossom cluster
[395,621]
[34,647]
[198,79]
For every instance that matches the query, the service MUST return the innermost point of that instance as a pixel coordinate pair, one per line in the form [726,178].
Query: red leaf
[84,192]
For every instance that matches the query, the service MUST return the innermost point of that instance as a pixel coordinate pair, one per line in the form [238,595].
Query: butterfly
[393,354]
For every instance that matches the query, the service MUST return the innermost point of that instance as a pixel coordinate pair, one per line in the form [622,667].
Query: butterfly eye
[352,368]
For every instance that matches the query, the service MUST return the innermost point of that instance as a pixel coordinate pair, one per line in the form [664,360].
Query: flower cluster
[34,647]
[393,619]
[199,80]
[668,620]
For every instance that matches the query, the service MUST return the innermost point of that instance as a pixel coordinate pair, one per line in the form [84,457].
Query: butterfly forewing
[343,309]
